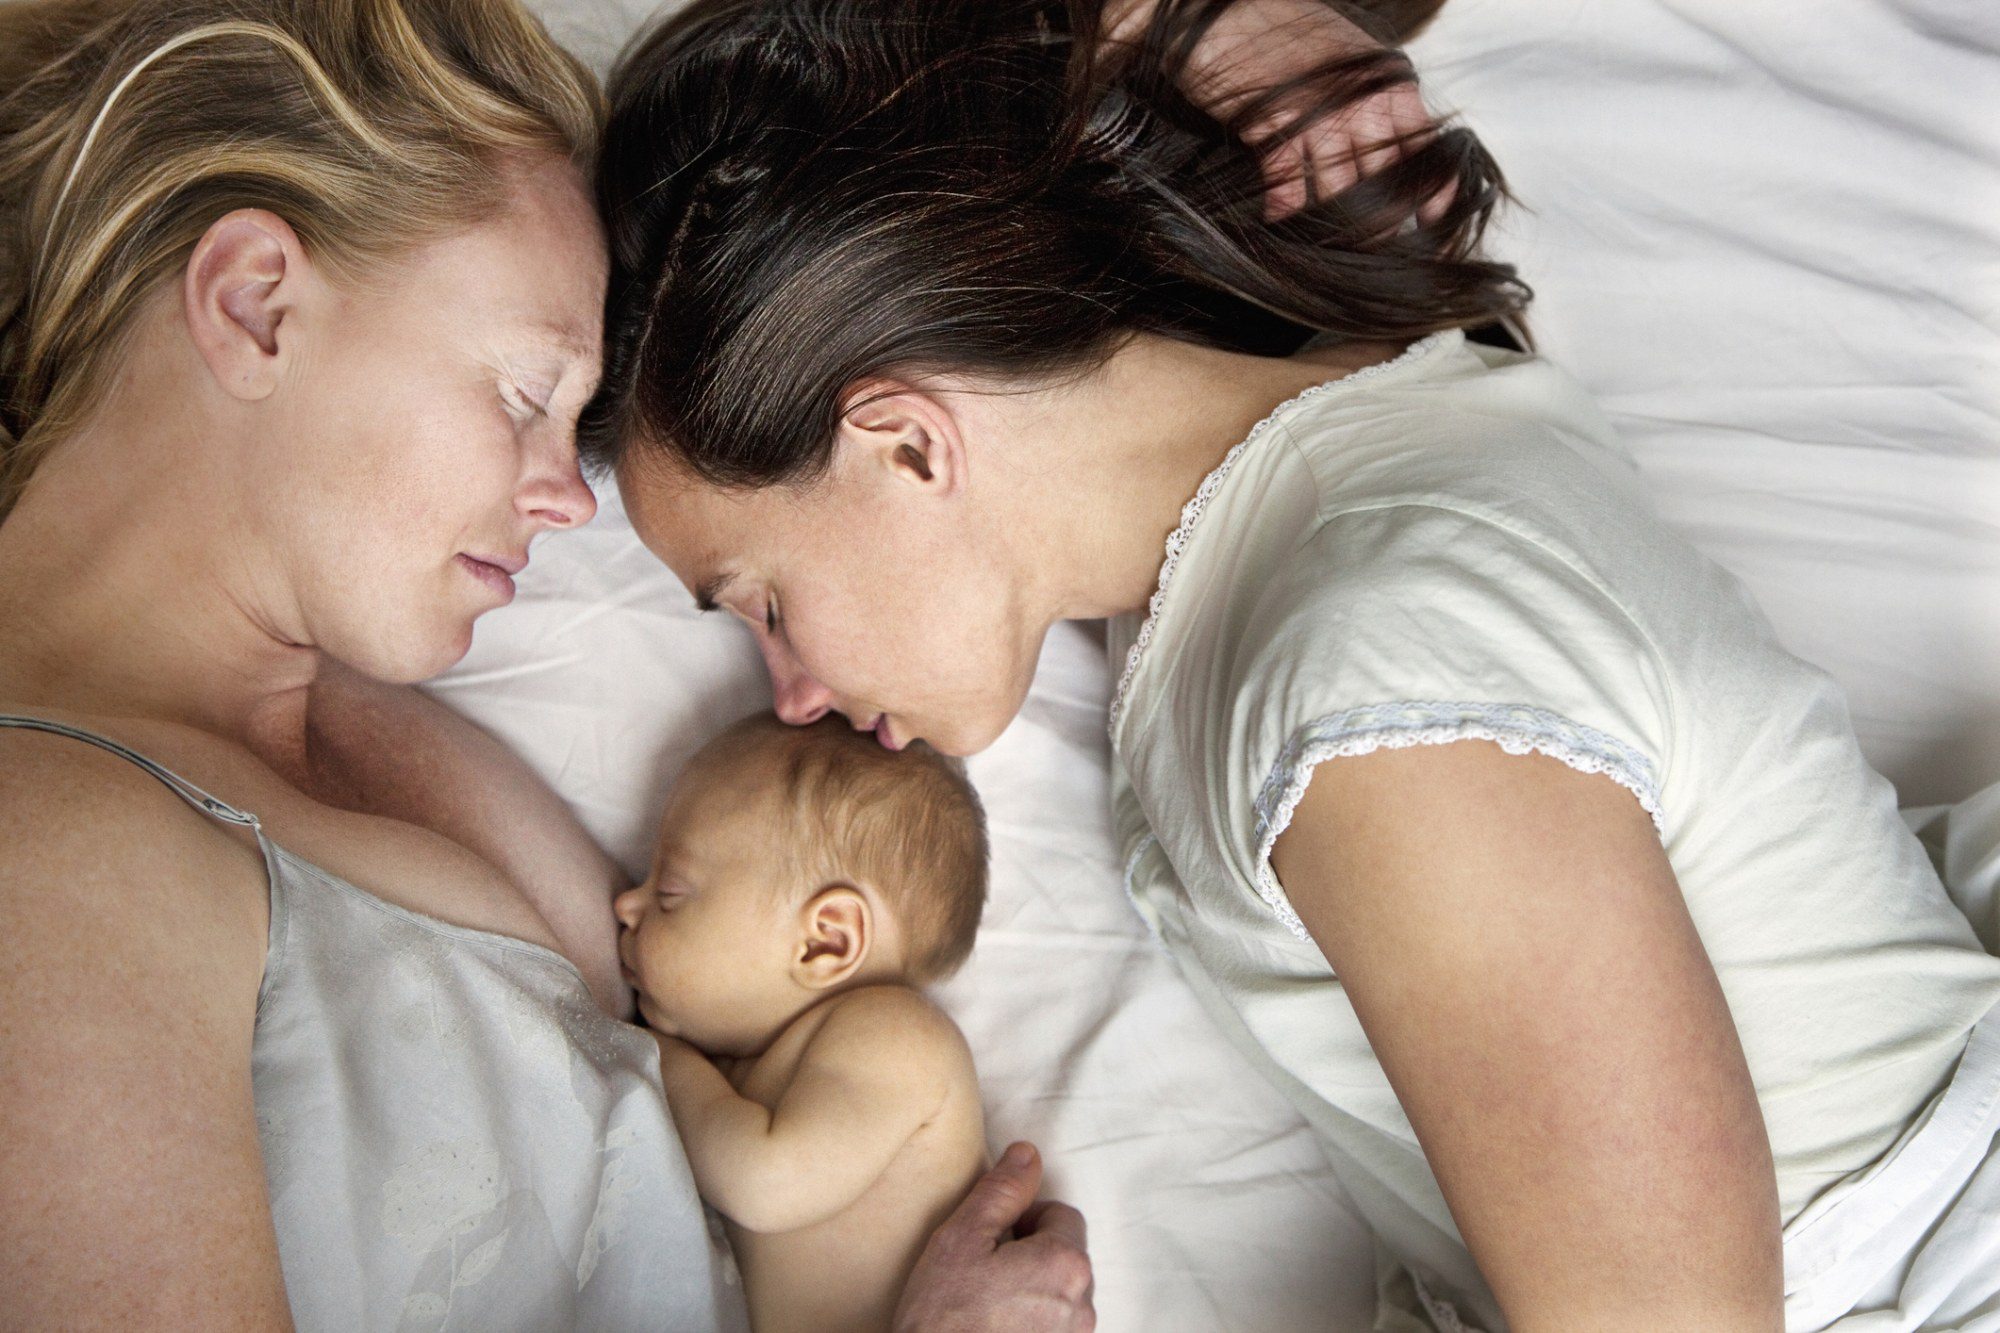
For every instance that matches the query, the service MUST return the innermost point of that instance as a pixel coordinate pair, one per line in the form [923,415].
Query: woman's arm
[1522,960]
[131,951]
[391,750]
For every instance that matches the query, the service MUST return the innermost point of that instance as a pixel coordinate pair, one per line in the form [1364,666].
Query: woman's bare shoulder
[131,957]
[84,831]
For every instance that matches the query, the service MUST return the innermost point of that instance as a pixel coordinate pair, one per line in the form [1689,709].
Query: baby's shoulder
[887,1014]
[891,1031]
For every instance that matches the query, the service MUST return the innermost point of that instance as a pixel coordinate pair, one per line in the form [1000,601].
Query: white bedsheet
[1766,236]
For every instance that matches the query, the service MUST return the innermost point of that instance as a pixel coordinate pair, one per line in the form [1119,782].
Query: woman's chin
[969,735]
[452,653]
[418,658]
[445,647]
[964,742]
[430,662]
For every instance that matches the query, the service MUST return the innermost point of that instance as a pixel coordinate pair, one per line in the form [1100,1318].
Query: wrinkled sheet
[1765,236]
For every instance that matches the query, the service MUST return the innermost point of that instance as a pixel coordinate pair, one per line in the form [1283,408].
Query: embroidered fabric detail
[1442,1312]
[1515,728]
[1146,844]
[1191,512]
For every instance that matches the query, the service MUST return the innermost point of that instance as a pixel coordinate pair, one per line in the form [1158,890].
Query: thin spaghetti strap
[179,785]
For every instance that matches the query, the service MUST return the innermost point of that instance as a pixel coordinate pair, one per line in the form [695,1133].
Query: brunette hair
[806,194]
[127,127]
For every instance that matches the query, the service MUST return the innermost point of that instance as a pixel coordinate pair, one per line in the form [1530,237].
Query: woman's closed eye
[521,404]
[767,619]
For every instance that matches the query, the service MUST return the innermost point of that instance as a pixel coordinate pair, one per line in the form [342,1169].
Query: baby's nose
[627,906]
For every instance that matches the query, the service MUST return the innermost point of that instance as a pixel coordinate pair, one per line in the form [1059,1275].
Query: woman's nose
[798,697]
[554,492]
[803,700]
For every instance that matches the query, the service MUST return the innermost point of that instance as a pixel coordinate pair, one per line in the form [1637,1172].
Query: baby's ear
[836,931]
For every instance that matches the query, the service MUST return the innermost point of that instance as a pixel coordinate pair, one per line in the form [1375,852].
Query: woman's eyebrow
[710,589]
[566,337]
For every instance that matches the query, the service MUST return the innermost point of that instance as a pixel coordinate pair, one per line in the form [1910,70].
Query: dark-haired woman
[1483,811]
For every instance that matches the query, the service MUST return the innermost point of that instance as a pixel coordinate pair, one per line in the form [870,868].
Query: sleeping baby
[807,882]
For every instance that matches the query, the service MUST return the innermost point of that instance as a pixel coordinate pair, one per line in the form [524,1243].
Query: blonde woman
[299,303]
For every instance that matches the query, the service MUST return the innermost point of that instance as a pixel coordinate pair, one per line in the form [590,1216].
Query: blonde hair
[127,127]
[908,823]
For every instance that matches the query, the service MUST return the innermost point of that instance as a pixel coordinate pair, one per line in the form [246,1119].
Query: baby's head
[794,862]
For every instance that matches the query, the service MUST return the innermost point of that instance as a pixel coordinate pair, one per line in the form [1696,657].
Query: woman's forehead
[499,289]
[681,521]
[695,516]
[716,539]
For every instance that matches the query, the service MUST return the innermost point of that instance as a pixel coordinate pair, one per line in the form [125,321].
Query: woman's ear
[242,283]
[911,435]
[836,933]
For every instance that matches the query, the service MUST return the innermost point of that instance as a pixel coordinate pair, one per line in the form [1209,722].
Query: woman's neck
[1138,437]
[123,592]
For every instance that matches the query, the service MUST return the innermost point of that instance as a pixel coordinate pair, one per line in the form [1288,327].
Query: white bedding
[1765,235]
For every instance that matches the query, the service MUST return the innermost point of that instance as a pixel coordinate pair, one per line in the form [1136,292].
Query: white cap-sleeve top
[1450,546]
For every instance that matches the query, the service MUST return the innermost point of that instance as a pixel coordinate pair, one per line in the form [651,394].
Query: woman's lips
[885,735]
[490,574]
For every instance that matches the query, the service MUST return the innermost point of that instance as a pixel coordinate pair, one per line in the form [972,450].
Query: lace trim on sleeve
[1515,728]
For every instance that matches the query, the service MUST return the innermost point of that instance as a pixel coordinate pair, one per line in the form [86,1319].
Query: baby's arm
[877,1070]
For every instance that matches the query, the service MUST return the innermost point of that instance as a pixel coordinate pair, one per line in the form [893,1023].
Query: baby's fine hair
[908,824]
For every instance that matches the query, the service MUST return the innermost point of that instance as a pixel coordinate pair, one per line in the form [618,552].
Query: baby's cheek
[654,981]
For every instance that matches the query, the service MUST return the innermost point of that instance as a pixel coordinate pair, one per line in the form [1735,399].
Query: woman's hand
[1255,45]
[1003,1262]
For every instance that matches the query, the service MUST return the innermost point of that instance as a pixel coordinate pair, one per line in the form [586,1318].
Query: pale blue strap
[181,787]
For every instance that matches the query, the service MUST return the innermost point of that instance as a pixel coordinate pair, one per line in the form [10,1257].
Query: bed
[1768,237]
